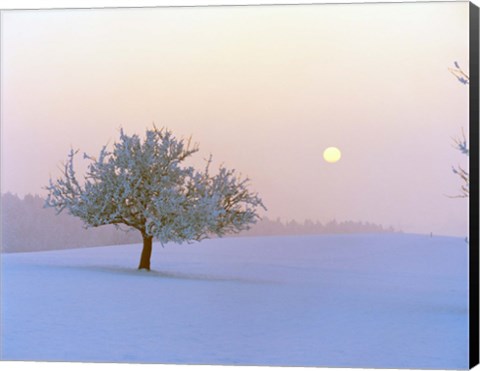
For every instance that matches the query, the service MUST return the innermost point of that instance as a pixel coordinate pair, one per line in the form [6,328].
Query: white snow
[388,301]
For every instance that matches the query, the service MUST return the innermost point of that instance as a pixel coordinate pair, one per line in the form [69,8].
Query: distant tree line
[268,227]
[27,226]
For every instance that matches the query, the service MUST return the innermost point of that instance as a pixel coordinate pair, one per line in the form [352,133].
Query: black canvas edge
[474,187]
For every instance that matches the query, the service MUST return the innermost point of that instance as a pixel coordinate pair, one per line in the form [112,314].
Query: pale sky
[264,89]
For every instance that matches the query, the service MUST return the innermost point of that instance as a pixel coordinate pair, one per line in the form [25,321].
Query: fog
[264,89]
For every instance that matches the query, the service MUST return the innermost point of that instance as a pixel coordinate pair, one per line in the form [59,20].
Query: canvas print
[281,185]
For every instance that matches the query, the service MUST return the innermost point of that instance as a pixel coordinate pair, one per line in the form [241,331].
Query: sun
[332,154]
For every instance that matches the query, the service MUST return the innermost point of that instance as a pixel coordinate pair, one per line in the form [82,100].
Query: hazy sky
[264,89]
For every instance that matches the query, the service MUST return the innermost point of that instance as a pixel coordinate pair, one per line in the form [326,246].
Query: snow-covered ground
[388,301]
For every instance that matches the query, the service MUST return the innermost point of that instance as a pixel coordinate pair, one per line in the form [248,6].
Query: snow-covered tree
[145,185]
[460,143]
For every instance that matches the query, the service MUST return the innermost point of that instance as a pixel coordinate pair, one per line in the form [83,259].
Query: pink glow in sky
[264,89]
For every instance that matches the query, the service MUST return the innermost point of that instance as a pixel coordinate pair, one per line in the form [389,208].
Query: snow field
[388,301]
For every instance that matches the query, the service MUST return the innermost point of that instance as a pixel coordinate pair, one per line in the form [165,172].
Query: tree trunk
[146,253]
